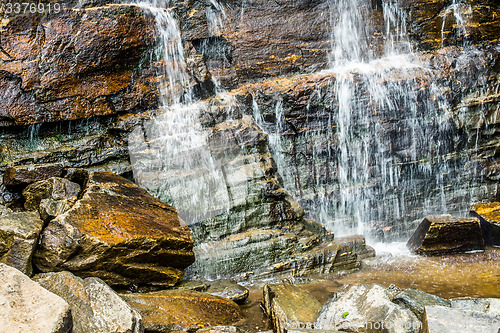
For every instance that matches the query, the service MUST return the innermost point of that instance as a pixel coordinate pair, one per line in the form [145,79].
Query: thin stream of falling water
[170,154]
[391,149]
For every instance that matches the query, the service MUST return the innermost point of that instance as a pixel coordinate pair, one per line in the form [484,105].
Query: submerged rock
[95,307]
[366,308]
[171,310]
[416,300]
[23,175]
[290,307]
[439,319]
[27,307]
[446,234]
[119,233]
[18,238]
[228,289]
[489,215]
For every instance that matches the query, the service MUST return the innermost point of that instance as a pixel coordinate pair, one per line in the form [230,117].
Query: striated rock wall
[73,86]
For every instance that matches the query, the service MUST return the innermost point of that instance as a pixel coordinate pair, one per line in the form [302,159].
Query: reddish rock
[78,64]
[26,174]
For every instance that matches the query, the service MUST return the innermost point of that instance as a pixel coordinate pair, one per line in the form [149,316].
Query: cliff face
[76,86]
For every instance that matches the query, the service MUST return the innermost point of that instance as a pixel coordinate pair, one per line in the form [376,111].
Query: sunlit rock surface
[366,308]
[19,234]
[27,307]
[119,233]
[489,215]
[439,319]
[446,234]
[95,307]
[180,310]
[289,307]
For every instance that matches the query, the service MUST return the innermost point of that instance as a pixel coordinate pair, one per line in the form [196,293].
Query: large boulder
[489,215]
[27,307]
[51,197]
[289,306]
[163,311]
[18,238]
[23,175]
[95,307]
[439,319]
[446,234]
[366,308]
[119,233]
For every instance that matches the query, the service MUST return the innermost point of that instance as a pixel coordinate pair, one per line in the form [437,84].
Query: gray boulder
[439,319]
[27,307]
[366,308]
[18,238]
[486,305]
[96,308]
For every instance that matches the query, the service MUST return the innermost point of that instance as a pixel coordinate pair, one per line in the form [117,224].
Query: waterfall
[390,156]
[170,154]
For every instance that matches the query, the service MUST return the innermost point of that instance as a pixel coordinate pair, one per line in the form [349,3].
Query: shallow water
[460,275]
[451,276]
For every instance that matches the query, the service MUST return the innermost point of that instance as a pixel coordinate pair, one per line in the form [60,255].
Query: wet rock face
[76,64]
[434,23]
[117,232]
[446,234]
[258,38]
[27,307]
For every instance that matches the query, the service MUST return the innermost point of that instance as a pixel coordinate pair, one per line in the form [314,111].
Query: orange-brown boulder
[119,233]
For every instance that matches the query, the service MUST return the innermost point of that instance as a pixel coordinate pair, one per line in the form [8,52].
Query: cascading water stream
[170,154]
[392,149]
